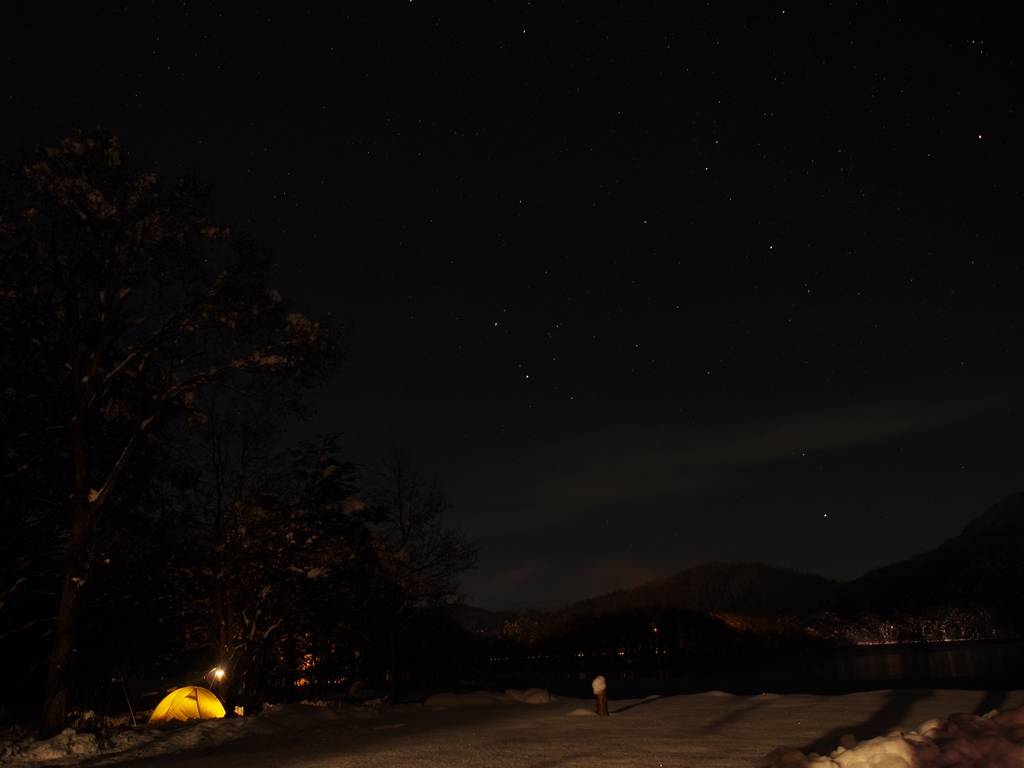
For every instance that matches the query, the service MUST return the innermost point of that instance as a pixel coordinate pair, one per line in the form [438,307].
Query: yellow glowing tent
[188,703]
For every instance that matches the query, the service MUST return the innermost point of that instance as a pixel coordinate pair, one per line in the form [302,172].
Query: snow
[484,698]
[877,729]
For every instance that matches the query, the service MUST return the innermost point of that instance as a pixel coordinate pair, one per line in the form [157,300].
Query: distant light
[219,674]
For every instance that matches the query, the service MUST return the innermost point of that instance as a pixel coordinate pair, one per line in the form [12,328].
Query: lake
[969,665]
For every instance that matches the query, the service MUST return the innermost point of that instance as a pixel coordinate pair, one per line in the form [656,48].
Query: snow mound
[582,713]
[65,744]
[530,696]
[993,741]
[164,738]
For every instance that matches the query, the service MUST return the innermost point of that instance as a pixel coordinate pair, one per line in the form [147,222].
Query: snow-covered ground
[879,729]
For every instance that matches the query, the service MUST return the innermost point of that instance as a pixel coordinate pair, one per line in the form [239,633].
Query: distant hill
[751,588]
[981,566]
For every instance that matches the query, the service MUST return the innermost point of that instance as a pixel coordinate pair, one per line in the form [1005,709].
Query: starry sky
[646,284]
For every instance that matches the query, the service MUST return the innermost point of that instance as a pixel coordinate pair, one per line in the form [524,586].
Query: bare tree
[420,560]
[119,300]
[261,540]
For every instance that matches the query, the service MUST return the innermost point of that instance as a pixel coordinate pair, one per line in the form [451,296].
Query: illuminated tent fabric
[188,703]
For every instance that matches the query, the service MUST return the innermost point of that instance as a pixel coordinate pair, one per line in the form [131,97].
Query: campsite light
[219,674]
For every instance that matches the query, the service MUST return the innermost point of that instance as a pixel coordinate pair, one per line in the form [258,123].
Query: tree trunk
[66,633]
[255,682]
[395,692]
[225,655]
[63,655]
[235,687]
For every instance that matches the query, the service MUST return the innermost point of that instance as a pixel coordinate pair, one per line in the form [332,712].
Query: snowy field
[483,729]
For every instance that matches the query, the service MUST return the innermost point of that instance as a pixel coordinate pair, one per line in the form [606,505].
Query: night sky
[646,284]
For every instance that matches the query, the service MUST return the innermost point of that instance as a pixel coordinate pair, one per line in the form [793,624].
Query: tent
[188,703]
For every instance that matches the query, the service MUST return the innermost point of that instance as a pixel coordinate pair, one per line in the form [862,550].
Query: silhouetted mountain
[751,588]
[975,578]
[983,566]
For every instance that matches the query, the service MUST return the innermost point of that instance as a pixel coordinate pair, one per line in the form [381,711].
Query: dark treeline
[652,640]
[648,640]
[151,527]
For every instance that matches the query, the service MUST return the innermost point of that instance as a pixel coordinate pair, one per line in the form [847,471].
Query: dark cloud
[633,466]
